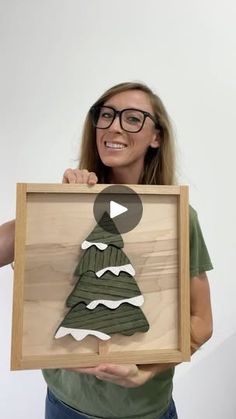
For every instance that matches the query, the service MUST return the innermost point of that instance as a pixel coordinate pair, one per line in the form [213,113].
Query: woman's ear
[156,142]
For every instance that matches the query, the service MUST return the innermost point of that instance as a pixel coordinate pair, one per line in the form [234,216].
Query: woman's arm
[7,234]
[201,313]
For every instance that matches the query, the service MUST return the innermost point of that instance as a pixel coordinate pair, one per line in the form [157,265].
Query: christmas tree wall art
[59,232]
[106,299]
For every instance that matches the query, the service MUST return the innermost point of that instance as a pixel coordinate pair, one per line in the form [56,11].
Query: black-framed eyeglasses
[131,120]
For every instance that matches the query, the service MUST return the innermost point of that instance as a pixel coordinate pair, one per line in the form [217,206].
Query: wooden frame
[51,222]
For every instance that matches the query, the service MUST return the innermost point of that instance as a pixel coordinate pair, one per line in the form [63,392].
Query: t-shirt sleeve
[199,257]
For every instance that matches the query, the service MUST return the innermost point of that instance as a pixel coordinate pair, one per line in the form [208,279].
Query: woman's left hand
[125,375]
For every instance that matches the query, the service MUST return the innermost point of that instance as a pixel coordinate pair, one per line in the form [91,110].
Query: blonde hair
[159,164]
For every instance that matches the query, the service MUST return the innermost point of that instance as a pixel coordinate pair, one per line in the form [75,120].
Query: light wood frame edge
[18,289]
[75,188]
[144,357]
[184,276]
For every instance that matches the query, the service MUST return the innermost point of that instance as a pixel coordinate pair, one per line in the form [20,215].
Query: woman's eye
[133,119]
[106,115]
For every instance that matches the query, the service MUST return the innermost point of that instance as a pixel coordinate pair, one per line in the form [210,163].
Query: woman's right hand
[79,176]
[7,234]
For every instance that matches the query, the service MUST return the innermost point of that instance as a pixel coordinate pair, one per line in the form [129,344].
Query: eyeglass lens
[131,119]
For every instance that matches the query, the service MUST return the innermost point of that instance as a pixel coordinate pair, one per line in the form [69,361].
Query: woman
[127,139]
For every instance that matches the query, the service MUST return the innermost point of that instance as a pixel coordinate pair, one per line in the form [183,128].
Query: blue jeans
[55,409]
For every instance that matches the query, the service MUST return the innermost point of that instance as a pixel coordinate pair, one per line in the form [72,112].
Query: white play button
[122,204]
[116,209]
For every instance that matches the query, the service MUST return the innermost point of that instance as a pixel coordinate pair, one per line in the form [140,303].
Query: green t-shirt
[102,399]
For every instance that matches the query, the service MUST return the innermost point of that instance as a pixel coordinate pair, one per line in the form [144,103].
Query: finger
[69,176]
[92,178]
[81,175]
[78,176]
[107,374]
[109,377]
[119,370]
[84,370]
[84,175]
[110,380]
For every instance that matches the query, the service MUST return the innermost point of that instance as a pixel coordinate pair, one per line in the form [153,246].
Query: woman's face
[121,149]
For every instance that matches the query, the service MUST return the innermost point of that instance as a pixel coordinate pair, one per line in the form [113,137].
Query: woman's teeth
[114,145]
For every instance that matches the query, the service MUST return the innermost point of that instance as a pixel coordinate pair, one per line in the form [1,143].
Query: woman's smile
[113,145]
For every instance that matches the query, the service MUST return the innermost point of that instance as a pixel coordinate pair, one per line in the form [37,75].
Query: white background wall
[56,57]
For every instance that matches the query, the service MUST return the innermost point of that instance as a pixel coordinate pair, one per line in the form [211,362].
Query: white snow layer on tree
[101,246]
[135,301]
[80,334]
[117,269]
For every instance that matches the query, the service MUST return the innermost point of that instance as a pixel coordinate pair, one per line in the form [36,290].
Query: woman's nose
[116,126]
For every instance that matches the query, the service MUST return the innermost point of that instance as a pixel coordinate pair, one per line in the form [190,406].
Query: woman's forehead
[130,99]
